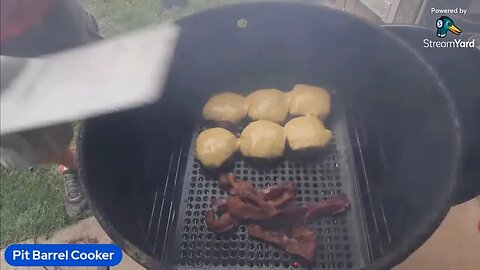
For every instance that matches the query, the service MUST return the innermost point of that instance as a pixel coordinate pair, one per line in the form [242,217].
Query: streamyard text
[456,43]
[448,10]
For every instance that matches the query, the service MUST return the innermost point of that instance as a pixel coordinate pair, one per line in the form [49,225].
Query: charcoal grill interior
[395,149]
[316,178]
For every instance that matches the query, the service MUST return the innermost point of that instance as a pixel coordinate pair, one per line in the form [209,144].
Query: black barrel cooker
[459,68]
[396,150]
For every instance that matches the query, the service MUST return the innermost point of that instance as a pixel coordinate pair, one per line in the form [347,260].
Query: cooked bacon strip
[279,195]
[248,205]
[330,207]
[222,224]
[300,241]
[232,184]
[227,180]
[301,215]
[240,186]
[274,223]
[287,218]
[219,205]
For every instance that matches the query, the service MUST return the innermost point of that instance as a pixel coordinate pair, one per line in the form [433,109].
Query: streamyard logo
[444,25]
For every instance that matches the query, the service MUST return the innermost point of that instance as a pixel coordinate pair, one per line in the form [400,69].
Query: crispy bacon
[219,205]
[268,214]
[300,215]
[300,241]
[249,205]
[279,195]
[222,224]
[330,207]
[229,182]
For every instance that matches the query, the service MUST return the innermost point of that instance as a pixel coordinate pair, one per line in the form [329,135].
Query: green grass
[119,16]
[31,203]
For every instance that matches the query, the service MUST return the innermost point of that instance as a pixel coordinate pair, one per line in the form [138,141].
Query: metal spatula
[104,77]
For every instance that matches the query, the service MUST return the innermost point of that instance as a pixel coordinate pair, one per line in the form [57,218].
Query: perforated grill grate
[315,182]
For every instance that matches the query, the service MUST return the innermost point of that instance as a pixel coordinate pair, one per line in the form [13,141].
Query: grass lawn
[118,16]
[31,203]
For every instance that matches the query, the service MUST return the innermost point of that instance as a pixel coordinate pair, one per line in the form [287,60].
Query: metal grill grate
[315,181]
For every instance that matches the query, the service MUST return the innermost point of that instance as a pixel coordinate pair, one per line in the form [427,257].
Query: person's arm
[17,16]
